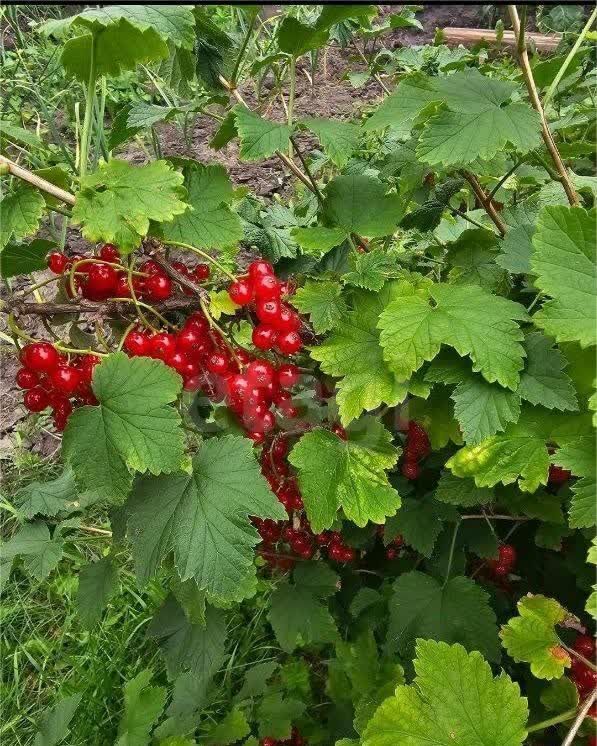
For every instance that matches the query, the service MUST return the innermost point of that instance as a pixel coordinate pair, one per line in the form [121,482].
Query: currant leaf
[457,610]
[348,474]
[259,138]
[323,302]
[564,262]
[531,637]
[203,518]
[117,201]
[454,700]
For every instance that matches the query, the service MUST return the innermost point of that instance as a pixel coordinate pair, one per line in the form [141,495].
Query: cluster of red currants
[102,277]
[393,549]
[208,362]
[502,566]
[295,740]
[416,448]
[295,535]
[279,324]
[584,678]
[49,379]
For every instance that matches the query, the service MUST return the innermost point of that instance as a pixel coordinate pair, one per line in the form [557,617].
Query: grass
[46,653]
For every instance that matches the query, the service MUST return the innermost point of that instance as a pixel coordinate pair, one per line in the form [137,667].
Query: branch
[527,73]
[109,308]
[579,718]
[180,278]
[485,200]
[45,186]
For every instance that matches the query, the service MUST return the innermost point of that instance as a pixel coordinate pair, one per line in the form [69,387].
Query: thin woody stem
[527,73]
[485,201]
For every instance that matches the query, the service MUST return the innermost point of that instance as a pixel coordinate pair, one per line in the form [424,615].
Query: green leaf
[436,415]
[276,714]
[338,12]
[454,700]
[230,729]
[297,38]
[142,115]
[582,506]
[19,134]
[359,204]
[352,352]
[519,452]
[467,318]
[299,614]
[117,201]
[517,245]
[40,553]
[173,23]
[20,213]
[132,428]
[49,498]
[256,680]
[419,521]
[543,380]
[23,259]
[54,726]
[531,636]
[118,47]
[143,705]
[196,648]
[210,222]
[479,122]
[98,582]
[317,239]
[323,302]
[455,491]
[220,304]
[203,518]
[348,474]
[564,262]
[483,409]
[560,695]
[458,610]
[403,105]
[473,259]
[427,216]
[371,270]
[259,138]
[339,139]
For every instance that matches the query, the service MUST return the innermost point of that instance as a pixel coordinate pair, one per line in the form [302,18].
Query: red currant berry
[418,440]
[158,287]
[289,343]
[241,292]
[507,555]
[558,476]
[40,357]
[268,742]
[137,343]
[201,272]
[150,267]
[585,645]
[335,552]
[244,357]
[410,469]
[188,339]
[268,311]
[256,437]
[260,373]
[198,322]
[338,430]
[65,378]
[26,379]
[122,288]
[392,553]
[57,262]
[217,363]
[109,253]
[266,287]
[288,320]
[162,345]
[36,399]
[584,678]
[259,268]
[101,282]
[288,375]
[264,337]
